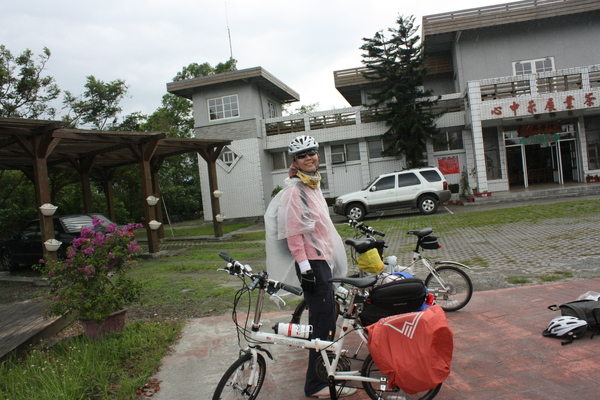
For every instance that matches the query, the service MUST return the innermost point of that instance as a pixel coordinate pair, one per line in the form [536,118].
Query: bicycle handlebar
[365,228]
[237,268]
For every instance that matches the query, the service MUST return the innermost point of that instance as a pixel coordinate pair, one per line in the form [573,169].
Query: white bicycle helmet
[566,327]
[302,143]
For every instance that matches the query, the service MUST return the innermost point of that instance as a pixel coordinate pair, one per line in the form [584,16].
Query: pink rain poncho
[301,210]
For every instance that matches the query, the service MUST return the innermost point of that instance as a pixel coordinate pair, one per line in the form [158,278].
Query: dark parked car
[26,247]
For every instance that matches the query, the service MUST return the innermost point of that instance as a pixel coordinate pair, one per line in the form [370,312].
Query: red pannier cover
[414,350]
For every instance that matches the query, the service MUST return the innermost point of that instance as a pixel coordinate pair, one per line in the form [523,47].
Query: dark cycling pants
[322,316]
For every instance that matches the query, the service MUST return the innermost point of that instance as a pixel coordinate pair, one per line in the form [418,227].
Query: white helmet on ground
[302,143]
[566,327]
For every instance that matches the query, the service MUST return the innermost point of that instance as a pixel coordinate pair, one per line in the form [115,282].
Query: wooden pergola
[37,146]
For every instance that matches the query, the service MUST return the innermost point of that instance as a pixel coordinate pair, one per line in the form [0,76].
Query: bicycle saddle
[358,282]
[364,244]
[422,233]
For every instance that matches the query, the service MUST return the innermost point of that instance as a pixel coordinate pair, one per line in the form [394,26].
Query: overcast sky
[146,42]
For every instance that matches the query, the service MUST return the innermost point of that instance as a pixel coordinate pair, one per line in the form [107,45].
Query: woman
[304,247]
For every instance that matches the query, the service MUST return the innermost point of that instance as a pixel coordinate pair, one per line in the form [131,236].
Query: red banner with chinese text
[449,165]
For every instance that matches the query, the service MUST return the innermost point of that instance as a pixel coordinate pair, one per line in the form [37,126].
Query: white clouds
[147,42]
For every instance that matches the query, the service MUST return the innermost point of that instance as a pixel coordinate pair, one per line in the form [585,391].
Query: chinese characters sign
[449,165]
[543,104]
[541,138]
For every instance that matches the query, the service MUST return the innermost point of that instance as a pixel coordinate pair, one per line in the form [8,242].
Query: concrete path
[499,353]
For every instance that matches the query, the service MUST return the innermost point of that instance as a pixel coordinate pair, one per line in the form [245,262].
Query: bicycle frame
[349,325]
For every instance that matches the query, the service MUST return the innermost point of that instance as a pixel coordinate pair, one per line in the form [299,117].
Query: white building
[520,83]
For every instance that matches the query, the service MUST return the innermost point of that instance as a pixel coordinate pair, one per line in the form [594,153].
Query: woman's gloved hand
[309,282]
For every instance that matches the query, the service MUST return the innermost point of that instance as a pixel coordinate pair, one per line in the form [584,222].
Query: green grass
[555,276]
[189,285]
[517,280]
[113,368]
[449,223]
[200,229]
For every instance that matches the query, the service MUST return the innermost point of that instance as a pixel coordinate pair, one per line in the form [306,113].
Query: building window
[223,107]
[271,113]
[491,149]
[345,152]
[281,160]
[375,148]
[535,66]
[324,180]
[452,140]
[592,136]
[228,156]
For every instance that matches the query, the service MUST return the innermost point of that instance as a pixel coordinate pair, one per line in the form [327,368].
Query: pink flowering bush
[93,279]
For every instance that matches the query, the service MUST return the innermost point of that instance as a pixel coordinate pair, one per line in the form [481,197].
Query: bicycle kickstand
[332,389]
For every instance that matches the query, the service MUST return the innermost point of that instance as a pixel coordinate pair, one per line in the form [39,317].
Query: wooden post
[38,148]
[146,151]
[210,155]
[155,165]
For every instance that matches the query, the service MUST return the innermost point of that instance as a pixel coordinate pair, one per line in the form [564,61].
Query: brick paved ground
[495,253]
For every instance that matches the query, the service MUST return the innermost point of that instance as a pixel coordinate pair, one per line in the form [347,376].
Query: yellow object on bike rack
[370,261]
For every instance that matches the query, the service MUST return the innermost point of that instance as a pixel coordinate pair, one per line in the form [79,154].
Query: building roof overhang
[108,149]
[257,75]
[440,30]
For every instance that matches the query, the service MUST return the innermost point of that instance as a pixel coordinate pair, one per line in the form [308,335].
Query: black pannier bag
[586,310]
[397,297]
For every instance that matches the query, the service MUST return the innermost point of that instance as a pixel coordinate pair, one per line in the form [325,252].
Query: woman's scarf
[311,180]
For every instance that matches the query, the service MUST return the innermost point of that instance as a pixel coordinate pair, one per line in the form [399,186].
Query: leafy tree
[396,68]
[17,202]
[98,106]
[24,91]
[194,70]
[304,109]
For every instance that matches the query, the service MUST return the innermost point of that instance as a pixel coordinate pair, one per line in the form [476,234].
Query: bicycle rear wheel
[235,385]
[370,370]
[451,286]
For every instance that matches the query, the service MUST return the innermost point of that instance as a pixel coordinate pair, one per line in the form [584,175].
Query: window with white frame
[342,153]
[375,148]
[533,66]
[449,140]
[223,107]
[228,156]
[281,160]
[592,134]
[491,148]
[271,113]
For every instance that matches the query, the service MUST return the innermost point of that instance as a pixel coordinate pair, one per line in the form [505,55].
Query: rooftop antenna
[228,33]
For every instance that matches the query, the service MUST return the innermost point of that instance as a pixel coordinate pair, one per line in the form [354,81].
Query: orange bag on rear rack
[414,349]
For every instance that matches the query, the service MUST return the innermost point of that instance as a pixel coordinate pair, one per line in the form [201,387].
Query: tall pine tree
[396,68]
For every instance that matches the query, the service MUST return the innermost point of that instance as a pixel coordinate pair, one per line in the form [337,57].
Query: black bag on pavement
[586,310]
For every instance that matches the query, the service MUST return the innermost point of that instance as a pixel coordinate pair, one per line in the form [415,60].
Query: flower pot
[484,194]
[48,209]
[52,244]
[115,322]
[471,199]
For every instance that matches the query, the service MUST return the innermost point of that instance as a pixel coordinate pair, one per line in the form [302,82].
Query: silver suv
[422,188]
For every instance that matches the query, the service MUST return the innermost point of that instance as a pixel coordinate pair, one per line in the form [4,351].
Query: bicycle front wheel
[451,287]
[374,391]
[239,382]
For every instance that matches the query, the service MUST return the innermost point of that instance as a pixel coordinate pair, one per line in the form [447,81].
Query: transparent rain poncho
[300,210]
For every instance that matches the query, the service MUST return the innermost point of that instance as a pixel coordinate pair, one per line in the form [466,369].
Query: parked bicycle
[245,377]
[451,286]
[447,280]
